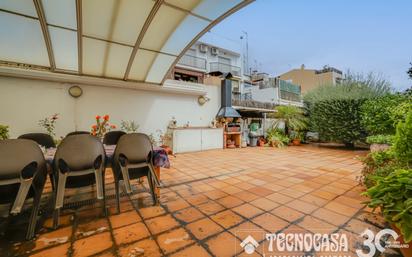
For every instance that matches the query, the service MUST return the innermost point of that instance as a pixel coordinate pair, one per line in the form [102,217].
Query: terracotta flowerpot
[296,141]
[406,252]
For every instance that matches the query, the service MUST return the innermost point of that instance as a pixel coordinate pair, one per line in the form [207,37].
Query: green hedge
[338,120]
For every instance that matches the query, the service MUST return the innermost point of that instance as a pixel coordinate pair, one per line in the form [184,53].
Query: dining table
[160,158]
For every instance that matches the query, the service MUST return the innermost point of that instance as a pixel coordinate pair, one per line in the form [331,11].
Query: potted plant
[291,118]
[49,124]
[276,138]
[296,137]
[129,126]
[379,142]
[253,135]
[393,195]
[4,132]
[102,126]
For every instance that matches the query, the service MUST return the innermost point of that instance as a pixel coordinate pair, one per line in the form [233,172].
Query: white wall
[265,95]
[23,102]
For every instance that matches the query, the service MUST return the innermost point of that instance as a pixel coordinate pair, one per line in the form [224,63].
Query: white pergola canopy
[131,40]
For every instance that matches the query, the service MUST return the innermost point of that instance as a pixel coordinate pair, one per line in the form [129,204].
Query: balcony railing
[193,61]
[224,68]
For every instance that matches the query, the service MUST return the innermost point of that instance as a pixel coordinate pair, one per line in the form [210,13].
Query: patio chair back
[79,161]
[131,160]
[112,137]
[40,138]
[22,175]
[135,146]
[79,152]
[78,133]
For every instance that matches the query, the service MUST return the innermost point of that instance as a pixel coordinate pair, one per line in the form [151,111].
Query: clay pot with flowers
[102,126]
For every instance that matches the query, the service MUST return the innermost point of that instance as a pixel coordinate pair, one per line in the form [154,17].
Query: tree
[410,71]
[292,117]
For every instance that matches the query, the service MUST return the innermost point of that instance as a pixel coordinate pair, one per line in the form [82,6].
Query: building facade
[203,62]
[310,78]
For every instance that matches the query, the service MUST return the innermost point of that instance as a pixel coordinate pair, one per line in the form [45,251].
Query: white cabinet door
[187,140]
[212,139]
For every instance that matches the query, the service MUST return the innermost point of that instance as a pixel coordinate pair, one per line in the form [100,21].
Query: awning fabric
[132,40]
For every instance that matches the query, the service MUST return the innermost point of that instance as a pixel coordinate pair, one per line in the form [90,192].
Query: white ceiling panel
[130,19]
[60,12]
[160,67]
[25,7]
[110,31]
[162,26]
[185,4]
[97,17]
[185,32]
[22,40]
[64,44]
[212,9]
[141,64]
[94,52]
[117,59]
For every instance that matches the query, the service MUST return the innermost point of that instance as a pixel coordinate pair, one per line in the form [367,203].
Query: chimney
[226,109]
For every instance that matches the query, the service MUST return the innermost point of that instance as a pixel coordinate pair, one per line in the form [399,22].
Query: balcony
[193,62]
[224,68]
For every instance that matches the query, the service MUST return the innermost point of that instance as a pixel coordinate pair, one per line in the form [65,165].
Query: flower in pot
[102,126]
[393,195]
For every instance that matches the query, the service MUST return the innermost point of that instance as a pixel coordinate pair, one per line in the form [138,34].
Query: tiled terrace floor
[212,200]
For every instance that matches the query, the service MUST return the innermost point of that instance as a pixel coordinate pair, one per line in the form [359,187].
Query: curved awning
[131,40]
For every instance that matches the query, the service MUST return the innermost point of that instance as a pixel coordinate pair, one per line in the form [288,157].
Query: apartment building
[311,78]
[204,62]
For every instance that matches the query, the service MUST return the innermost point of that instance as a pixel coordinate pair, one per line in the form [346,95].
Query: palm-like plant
[292,117]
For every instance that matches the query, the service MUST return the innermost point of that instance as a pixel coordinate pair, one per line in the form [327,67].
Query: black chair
[40,138]
[22,175]
[132,160]
[112,137]
[78,133]
[79,161]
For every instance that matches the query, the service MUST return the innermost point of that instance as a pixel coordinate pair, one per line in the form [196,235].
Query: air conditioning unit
[214,51]
[203,48]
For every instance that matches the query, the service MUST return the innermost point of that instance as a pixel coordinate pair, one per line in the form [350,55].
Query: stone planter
[379,147]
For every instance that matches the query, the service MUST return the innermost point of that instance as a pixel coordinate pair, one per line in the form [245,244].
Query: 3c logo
[374,242]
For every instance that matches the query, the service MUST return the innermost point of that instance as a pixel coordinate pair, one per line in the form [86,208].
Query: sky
[357,35]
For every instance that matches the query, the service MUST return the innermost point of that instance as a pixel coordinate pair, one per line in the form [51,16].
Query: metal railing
[193,61]
[224,68]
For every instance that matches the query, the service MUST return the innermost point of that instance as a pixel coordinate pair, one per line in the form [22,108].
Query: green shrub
[380,139]
[381,162]
[276,137]
[402,144]
[335,110]
[393,194]
[4,132]
[338,120]
[378,114]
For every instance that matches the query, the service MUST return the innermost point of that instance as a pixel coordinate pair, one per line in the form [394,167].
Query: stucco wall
[23,102]
[308,79]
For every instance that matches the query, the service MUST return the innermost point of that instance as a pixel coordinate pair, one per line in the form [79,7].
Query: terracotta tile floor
[210,202]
